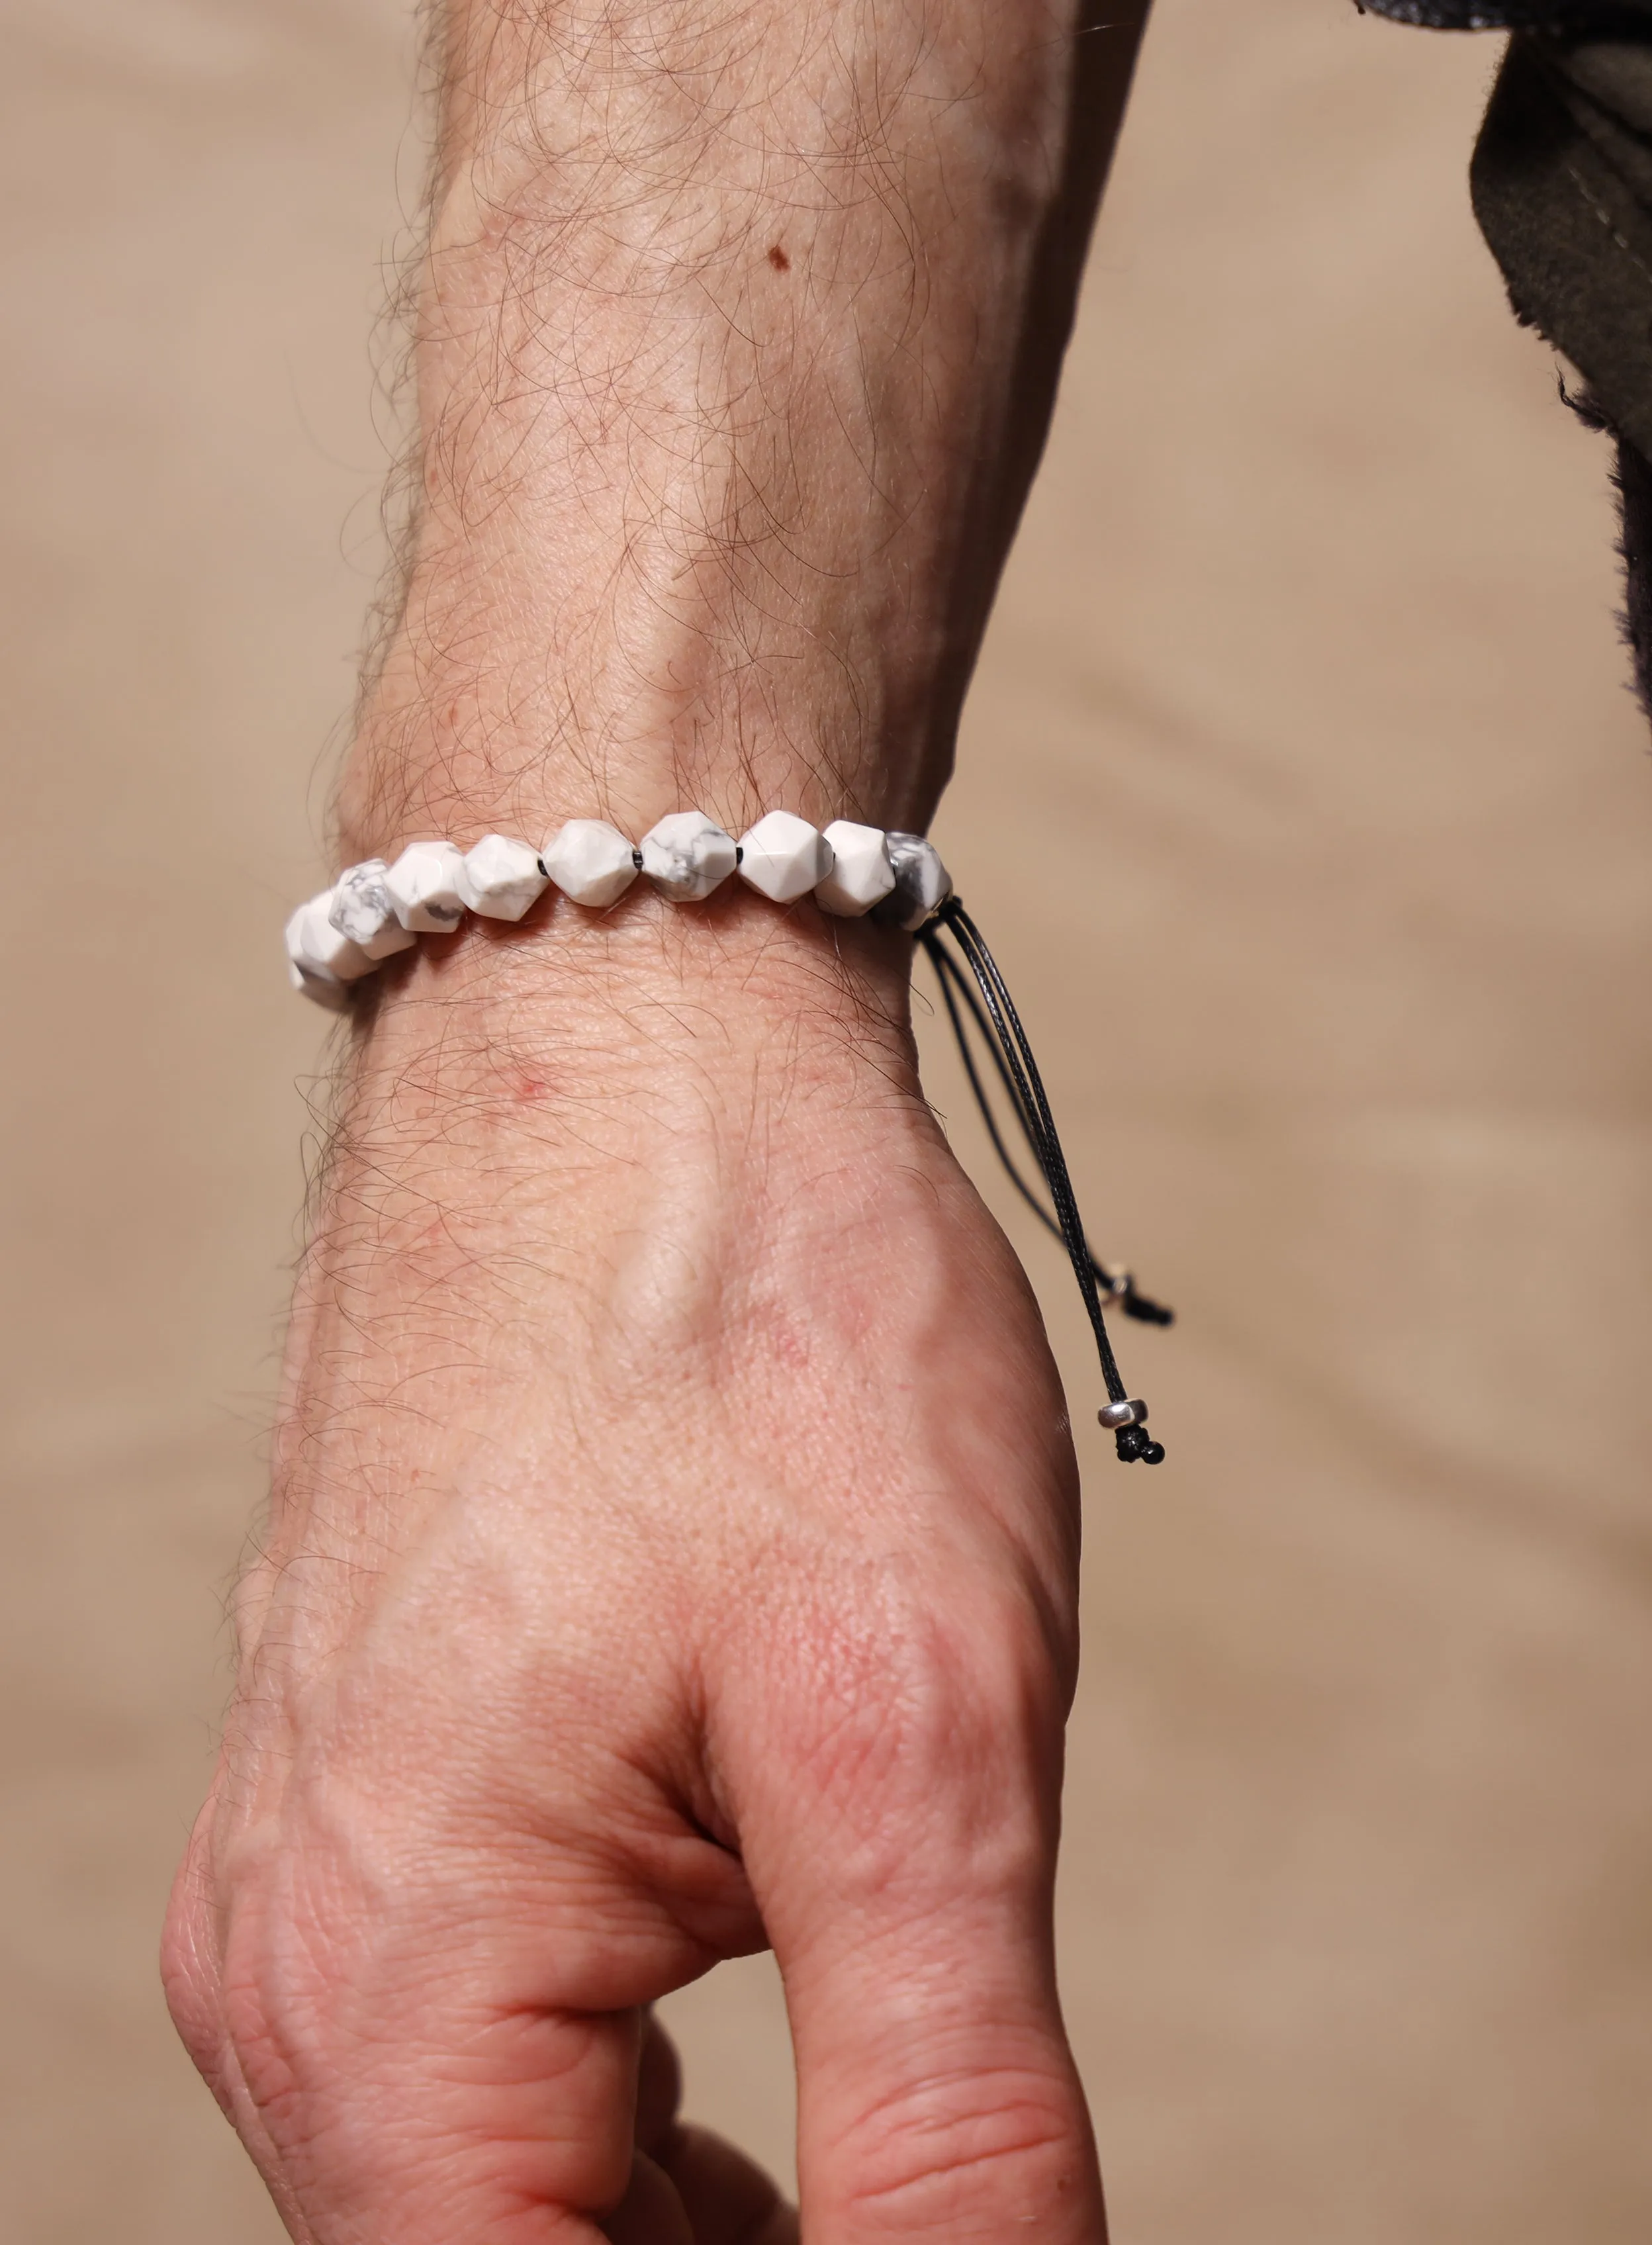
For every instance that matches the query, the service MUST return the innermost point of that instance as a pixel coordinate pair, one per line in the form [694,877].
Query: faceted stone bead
[922,883]
[502,878]
[783,856]
[861,875]
[427,887]
[361,909]
[316,948]
[592,861]
[687,855]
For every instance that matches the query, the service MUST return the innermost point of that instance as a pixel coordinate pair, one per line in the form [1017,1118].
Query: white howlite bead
[783,856]
[687,855]
[590,861]
[427,887]
[502,878]
[922,883]
[362,910]
[336,996]
[317,948]
[861,875]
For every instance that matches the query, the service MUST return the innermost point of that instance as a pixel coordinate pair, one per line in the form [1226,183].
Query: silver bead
[1114,1416]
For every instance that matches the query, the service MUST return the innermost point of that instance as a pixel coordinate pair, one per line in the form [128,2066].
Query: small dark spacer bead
[1153,1454]
[740,854]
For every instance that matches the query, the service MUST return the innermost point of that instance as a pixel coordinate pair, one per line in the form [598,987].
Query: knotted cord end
[1127,1419]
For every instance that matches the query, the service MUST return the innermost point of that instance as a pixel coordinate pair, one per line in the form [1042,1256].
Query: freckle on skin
[779,260]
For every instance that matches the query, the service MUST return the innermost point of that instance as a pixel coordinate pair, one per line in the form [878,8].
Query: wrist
[413,779]
[598,1133]
[648,1021]
[510,698]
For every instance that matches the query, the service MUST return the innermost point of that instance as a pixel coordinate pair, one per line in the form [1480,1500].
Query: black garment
[1562,186]
[1593,17]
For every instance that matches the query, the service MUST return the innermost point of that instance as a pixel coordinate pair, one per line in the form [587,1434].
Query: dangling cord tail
[1000,1027]
[1117,1285]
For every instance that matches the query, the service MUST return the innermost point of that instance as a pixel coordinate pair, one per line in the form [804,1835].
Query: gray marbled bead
[922,883]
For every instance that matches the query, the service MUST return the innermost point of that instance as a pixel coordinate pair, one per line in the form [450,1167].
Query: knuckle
[189,1976]
[937,1722]
[949,2152]
[318,1978]
[188,1984]
[275,2002]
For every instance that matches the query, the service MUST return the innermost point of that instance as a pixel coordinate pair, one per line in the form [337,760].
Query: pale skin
[674,1531]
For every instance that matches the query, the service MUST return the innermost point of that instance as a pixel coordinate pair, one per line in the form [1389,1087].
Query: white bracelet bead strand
[427,887]
[783,858]
[592,861]
[861,874]
[361,909]
[373,910]
[319,958]
[503,879]
[687,854]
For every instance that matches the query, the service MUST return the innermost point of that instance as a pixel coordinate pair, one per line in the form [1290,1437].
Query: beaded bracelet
[375,910]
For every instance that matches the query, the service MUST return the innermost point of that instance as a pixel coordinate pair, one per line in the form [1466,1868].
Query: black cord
[998,1026]
[1118,1285]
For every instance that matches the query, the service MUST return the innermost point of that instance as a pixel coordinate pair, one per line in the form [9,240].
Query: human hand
[674,1549]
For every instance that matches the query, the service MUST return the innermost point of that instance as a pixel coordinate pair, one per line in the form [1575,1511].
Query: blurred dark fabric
[1561,180]
[1563,188]
[1572,17]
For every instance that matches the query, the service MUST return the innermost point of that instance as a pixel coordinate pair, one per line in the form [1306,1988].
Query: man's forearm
[735,347]
[673,1538]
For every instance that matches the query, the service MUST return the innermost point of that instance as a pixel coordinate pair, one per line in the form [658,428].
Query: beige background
[1303,798]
